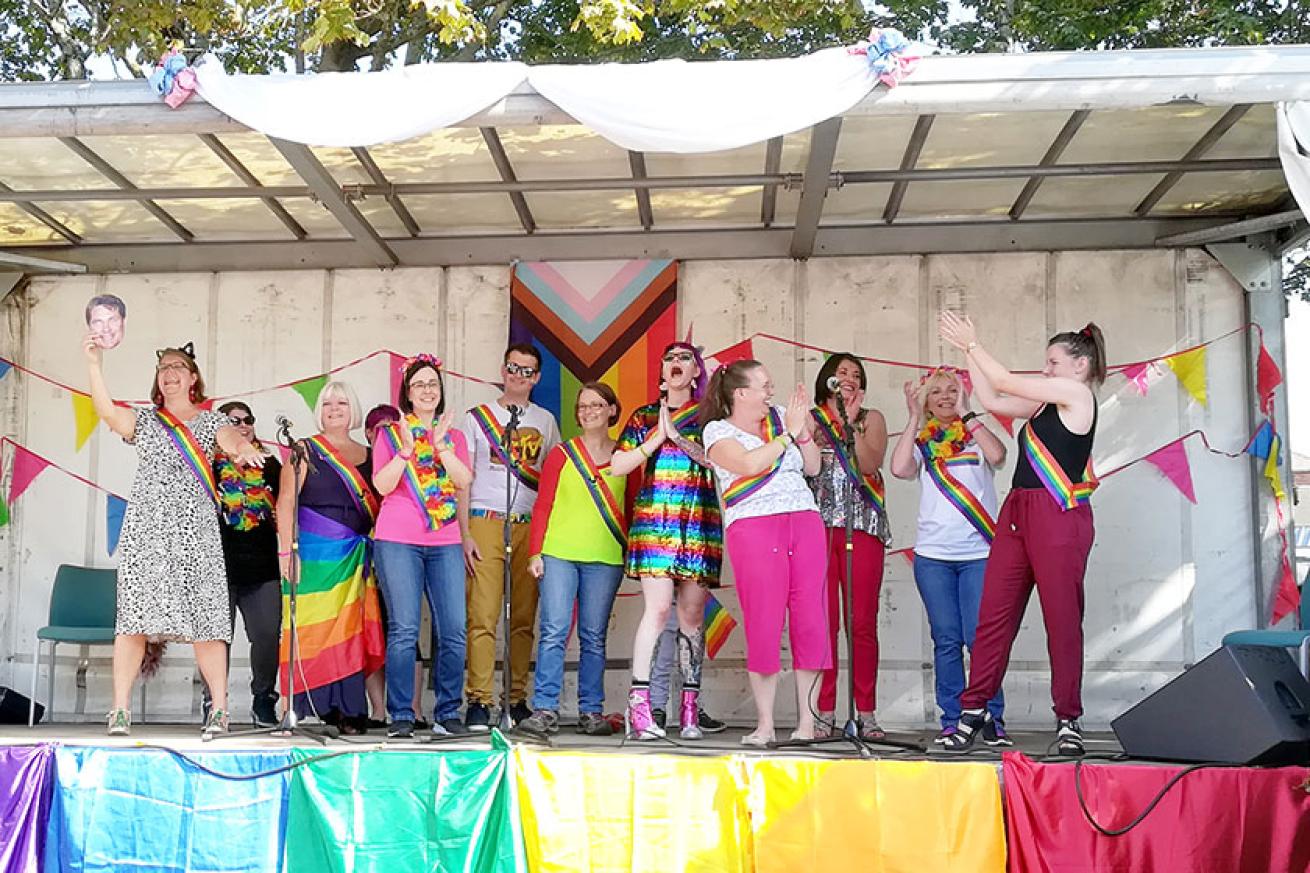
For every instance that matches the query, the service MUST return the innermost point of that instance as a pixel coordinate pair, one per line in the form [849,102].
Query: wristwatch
[968,417]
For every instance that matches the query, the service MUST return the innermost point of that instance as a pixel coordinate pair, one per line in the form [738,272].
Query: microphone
[515,409]
[283,422]
[834,384]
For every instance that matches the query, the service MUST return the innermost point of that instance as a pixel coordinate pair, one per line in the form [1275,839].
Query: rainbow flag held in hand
[605,321]
[719,625]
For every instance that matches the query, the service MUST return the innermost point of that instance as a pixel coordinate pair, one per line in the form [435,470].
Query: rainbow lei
[424,473]
[244,498]
[939,442]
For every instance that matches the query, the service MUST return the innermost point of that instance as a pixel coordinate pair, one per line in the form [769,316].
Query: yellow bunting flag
[1189,367]
[1271,468]
[84,416]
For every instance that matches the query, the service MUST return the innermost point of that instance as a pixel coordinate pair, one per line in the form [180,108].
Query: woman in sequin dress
[676,535]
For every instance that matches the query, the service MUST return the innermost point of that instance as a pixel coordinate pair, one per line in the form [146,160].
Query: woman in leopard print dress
[172,584]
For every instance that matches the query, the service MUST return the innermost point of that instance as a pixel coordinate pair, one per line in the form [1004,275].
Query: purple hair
[381,414]
[697,387]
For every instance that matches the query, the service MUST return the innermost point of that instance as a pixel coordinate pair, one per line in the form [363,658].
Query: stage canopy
[1086,150]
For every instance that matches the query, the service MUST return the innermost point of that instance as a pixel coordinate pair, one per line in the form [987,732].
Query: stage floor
[186,736]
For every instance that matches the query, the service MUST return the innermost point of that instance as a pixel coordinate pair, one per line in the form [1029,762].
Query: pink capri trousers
[780,563]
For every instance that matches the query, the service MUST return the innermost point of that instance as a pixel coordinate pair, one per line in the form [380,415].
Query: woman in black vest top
[1044,531]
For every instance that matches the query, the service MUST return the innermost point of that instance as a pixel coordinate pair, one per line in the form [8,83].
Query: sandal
[757,741]
[869,729]
[968,729]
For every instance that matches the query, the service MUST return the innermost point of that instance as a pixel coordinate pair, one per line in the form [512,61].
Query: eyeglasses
[241,419]
[592,407]
[171,365]
[520,370]
[679,358]
[430,385]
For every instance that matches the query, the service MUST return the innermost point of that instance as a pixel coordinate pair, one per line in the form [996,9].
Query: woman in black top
[1044,531]
[247,497]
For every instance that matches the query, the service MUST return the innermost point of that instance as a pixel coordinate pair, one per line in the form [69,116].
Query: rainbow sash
[685,420]
[601,494]
[748,485]
[189,448]
[360,490]
[436,514]
[1065,492]
[956,492]
[869,485]
[495,434]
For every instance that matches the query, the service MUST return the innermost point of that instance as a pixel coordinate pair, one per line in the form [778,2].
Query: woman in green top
[579,531]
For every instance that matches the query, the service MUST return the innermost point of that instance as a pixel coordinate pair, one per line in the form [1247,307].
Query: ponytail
[717,402]
[1087,343]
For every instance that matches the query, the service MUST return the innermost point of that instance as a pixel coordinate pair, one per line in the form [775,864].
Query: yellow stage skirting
[618,813]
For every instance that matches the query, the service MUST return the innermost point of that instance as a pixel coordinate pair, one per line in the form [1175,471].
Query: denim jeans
[592,587]
[406,574]
[951,592]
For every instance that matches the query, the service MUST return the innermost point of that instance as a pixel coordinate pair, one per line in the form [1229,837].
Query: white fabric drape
[1294,150]
[664,106]
[358,109]
[705,106]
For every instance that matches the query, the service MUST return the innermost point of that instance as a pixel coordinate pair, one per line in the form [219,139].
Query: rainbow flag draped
[605,321]
[339,623]
[718,623]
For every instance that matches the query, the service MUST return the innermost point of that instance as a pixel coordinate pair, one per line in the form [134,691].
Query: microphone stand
[852,730]
[505,722]
[290,725]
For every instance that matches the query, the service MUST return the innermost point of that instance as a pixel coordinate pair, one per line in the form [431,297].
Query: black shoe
[1069,736]
[658,716]
[519,712]
[709,724]
[449,727]
[478,718]
[970,726]
[422,724]
[263,710]
[994,733]
[401,730]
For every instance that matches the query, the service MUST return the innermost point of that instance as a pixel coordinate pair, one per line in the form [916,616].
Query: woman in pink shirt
[419,466]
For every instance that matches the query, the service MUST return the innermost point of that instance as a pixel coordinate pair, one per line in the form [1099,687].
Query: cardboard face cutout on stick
[106,317]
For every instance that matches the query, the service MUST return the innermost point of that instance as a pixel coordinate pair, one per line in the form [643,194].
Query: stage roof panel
[1135,146]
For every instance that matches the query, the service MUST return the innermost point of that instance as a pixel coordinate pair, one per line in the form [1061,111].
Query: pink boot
[638,723]
[690,715]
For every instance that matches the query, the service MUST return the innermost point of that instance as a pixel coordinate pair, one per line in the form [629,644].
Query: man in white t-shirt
[481,520]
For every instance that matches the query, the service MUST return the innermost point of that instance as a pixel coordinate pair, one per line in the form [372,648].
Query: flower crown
[421,358]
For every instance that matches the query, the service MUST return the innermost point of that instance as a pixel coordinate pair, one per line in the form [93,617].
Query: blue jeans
[592,587]
[952,592]
[406,574]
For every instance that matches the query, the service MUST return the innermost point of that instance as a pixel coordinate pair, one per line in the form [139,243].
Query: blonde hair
[343,390]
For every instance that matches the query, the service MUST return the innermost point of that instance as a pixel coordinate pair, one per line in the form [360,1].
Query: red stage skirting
[1220,820]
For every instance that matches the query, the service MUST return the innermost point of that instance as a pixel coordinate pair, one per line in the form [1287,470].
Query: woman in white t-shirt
[954,456]
[761,454]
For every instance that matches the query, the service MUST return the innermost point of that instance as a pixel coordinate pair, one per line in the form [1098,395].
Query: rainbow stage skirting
[85,808]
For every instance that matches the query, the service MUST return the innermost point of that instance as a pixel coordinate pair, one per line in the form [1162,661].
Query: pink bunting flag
[742,351]
[1288,597]
[27,466]
[283,453]
[1171,460]
[1006,422]
[1136,374]
[1267,378]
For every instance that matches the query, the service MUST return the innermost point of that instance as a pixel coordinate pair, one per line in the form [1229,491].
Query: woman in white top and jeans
[761,454]
[954,456]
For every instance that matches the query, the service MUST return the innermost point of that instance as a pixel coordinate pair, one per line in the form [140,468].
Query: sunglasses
[520,370]
[241,419]
[679,358]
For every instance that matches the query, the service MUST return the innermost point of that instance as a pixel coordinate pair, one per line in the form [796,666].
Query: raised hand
[958,330]
[440,429]
[913,402]
[798,410]
[406,440]
[91,348]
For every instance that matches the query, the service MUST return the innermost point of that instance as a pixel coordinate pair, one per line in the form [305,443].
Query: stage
[72,799]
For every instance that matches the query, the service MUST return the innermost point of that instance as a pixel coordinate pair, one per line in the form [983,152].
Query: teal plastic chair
[82,607]
[1298,639]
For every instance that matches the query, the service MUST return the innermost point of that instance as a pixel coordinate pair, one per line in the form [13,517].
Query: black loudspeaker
[1240,705]
[14,707]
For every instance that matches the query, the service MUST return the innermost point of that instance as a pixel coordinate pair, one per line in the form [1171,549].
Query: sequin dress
[677,530]
[830,487]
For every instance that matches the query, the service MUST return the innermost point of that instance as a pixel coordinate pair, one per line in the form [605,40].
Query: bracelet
[284,554]
[805,442]
[970,347]
[405,457]
[641,447]
[786,438]
[973,430]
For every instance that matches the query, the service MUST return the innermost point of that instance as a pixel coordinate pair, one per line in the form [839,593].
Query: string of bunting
[26,465]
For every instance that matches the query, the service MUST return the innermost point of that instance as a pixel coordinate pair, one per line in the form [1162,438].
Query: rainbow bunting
[719,625]
[605,321]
